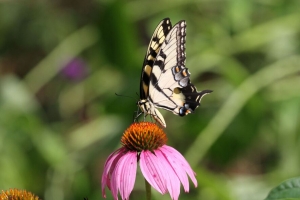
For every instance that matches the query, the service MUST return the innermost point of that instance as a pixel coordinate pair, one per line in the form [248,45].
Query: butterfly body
[165,81]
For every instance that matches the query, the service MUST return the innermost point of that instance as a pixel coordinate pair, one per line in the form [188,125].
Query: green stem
[148,190]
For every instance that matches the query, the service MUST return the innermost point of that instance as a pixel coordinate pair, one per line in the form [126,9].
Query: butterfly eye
[140,103]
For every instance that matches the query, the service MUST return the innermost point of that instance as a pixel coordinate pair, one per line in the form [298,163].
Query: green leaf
[288,190]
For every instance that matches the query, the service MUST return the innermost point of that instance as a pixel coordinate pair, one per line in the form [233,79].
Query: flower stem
[148,190]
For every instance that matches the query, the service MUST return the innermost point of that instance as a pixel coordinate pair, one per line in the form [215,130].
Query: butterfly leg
[137,116]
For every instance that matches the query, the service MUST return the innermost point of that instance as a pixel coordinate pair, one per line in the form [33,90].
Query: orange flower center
[15,194]
[143,136]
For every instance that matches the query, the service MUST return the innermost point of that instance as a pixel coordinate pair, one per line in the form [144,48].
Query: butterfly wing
[170,87]
[154,46]
[156,41]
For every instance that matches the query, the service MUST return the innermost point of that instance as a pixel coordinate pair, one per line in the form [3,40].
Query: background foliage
[62,61]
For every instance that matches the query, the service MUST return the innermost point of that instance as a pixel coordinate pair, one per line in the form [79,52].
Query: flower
[76,69]
[163,167]
[17,194]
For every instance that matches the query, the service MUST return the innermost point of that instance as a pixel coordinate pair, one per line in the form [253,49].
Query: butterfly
[165,81]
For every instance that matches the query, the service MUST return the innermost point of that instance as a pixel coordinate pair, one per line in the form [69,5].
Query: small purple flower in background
[76,69]
[163,167]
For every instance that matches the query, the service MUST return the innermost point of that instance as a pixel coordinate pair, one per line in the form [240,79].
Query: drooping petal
[128,175]
[119,181]
[176,167]
[109,167]
[152,169]
[116,176]
[182,161]
[172,180]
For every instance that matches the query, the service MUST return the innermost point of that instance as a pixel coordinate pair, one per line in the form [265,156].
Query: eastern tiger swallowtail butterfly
[165,81]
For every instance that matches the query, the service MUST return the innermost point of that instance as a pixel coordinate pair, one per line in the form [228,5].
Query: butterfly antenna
[120,95]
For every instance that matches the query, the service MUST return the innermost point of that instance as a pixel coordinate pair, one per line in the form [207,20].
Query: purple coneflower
[17,194]
[163,167]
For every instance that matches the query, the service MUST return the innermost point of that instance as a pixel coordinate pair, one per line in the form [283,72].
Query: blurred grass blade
[52,64]
[88,90]
[94,131]
[15,95]
[235,103]
[278,28]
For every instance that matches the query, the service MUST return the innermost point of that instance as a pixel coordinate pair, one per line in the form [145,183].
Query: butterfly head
[149,109]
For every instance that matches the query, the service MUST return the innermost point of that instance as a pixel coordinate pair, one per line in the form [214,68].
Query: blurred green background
[62,61]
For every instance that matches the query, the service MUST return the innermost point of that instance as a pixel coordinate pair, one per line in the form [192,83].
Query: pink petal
[109,167]
[173,183]
[182,162]
[152,170]
[116,177]
[176,167]
[128,175]
[120,178]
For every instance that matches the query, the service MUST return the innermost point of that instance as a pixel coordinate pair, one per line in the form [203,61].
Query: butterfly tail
[193,97]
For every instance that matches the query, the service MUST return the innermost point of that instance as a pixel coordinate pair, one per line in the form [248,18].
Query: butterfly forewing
[154,46]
